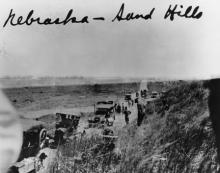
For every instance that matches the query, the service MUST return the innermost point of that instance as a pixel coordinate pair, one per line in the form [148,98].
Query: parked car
[128,97]
[154,94]
[33,140]
[104,111]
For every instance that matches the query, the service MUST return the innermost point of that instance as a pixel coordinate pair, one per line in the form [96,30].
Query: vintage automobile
[154,94]
[66,125]
[33,140]
[68,121]
[104,112]
[144,93]
[108,135]
[128,97]
[103,109]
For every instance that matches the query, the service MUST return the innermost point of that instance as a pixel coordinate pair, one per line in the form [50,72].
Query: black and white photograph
[109,86]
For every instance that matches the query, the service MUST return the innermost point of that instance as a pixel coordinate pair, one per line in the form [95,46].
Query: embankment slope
[179,139]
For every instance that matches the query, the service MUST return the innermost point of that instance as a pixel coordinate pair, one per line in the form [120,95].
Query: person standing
[129,103]
[126,113]
[141,114]
[123,107]
[118,110]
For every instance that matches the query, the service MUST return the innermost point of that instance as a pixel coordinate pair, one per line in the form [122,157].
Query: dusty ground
[119,123]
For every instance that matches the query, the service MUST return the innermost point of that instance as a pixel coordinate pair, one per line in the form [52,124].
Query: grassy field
[44,102]
[39,98]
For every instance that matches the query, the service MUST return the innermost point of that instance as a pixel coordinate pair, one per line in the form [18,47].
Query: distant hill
[14,82]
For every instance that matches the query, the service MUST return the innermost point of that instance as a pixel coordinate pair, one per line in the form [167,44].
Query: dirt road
[119,123]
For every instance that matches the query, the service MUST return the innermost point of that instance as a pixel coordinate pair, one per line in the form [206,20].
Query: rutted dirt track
[119,123]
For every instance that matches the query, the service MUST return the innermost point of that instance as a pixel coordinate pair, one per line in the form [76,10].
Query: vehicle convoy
[33,140]
[104,113]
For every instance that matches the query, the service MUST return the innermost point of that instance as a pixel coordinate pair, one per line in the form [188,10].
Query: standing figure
[123,107]
[132,102]
[107,115]
[129,103]
[136,100]
[118,109]
[126,115]
[141,113]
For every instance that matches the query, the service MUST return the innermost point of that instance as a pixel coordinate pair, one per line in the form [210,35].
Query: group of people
[140,114]
[125,110]
[121,108]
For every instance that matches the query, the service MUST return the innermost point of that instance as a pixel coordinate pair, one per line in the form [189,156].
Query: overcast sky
[184,48]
